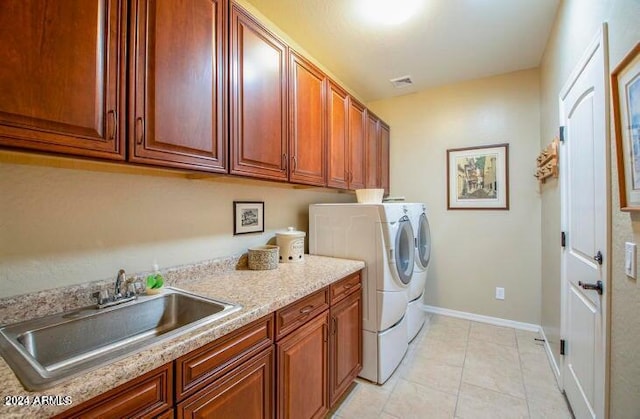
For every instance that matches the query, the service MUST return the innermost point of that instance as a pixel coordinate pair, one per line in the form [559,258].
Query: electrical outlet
[499,293]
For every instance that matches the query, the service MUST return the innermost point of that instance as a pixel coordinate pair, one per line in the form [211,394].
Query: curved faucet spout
[120,279]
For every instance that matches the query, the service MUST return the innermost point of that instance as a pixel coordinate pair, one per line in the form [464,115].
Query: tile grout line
[524,385]
[464,361]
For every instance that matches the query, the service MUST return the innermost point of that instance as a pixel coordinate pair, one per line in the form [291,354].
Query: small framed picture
[625,88]
[248,217]
[478,178]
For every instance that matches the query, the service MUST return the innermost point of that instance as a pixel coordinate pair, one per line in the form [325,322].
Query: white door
[585,197]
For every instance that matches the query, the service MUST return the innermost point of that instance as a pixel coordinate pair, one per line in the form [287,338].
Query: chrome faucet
[105,300]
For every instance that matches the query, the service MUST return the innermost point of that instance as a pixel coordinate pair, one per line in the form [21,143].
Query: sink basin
[45,351]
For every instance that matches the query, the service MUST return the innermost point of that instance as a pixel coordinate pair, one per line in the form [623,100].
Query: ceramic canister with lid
[291,244]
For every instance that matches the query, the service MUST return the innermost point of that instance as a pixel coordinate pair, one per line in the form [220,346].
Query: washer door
[404,246]
[423,248]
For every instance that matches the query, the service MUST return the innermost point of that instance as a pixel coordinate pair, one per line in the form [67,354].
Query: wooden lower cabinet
[345,345]
[303,366]
[148,396]
[247,392]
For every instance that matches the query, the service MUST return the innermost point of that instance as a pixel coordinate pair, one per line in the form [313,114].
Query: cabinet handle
[347,286]
[295,163]
[112,117]
[284,161]
[334,325]
[139,130]
[306,310]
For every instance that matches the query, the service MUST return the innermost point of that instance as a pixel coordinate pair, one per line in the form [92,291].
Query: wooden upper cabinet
[357,145]
[338,141]
[307,135]
[258,97]
[384,136]
[178,82]
[372,162]
[62,76]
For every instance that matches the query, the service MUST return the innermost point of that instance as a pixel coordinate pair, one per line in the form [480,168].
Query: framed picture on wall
[478,178]
[625,88]
[248,217]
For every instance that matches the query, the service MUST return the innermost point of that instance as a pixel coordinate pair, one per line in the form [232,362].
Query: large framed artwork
[478,178]
[625,88]
[248,217]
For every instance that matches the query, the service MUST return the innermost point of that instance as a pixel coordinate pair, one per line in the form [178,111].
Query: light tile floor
[462,369]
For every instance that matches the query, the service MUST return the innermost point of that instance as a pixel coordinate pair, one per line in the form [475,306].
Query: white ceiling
[446,41]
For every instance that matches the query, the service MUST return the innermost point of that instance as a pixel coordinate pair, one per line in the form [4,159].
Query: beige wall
[473,251]
[67,225]
[576,24]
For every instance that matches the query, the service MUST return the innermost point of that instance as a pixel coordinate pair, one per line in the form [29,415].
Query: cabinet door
[247,392]
[258,99]
[345,345]
[384,135]
[338,141]
[62,76]
[307,135]
[178,84]
[372,162]
[302,371]
[357,141]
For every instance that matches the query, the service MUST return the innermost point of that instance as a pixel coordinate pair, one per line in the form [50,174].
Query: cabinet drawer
[296,314]
[204,365]
[344,287]
[144,397]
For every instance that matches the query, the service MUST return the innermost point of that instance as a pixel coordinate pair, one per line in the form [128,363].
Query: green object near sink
[45,351]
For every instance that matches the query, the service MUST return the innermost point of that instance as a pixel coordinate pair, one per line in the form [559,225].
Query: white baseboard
[496,321]
[552,360]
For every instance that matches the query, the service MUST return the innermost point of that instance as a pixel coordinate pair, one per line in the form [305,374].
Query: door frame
[600,40]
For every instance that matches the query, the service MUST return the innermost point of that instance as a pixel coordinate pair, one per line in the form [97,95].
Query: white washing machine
[420,223]
[381,235]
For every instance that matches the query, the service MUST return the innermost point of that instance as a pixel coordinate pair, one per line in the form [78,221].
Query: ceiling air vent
[401,82]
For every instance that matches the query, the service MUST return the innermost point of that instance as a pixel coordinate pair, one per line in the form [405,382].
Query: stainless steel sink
[45,351]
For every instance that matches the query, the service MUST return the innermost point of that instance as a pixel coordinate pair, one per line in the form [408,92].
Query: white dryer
[420,223]
[382,236]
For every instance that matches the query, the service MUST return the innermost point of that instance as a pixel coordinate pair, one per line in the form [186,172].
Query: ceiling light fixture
[388,12]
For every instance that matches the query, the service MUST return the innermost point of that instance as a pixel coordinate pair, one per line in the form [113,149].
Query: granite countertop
[259,293]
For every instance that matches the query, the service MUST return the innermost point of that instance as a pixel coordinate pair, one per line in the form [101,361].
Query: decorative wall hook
[548,162]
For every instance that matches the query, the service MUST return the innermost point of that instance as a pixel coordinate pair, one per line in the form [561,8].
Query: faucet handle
[102,296]
[131,290]
[135,286]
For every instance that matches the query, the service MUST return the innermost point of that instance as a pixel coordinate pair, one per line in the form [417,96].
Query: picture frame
[478,178]
[625,89]
[248,217]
